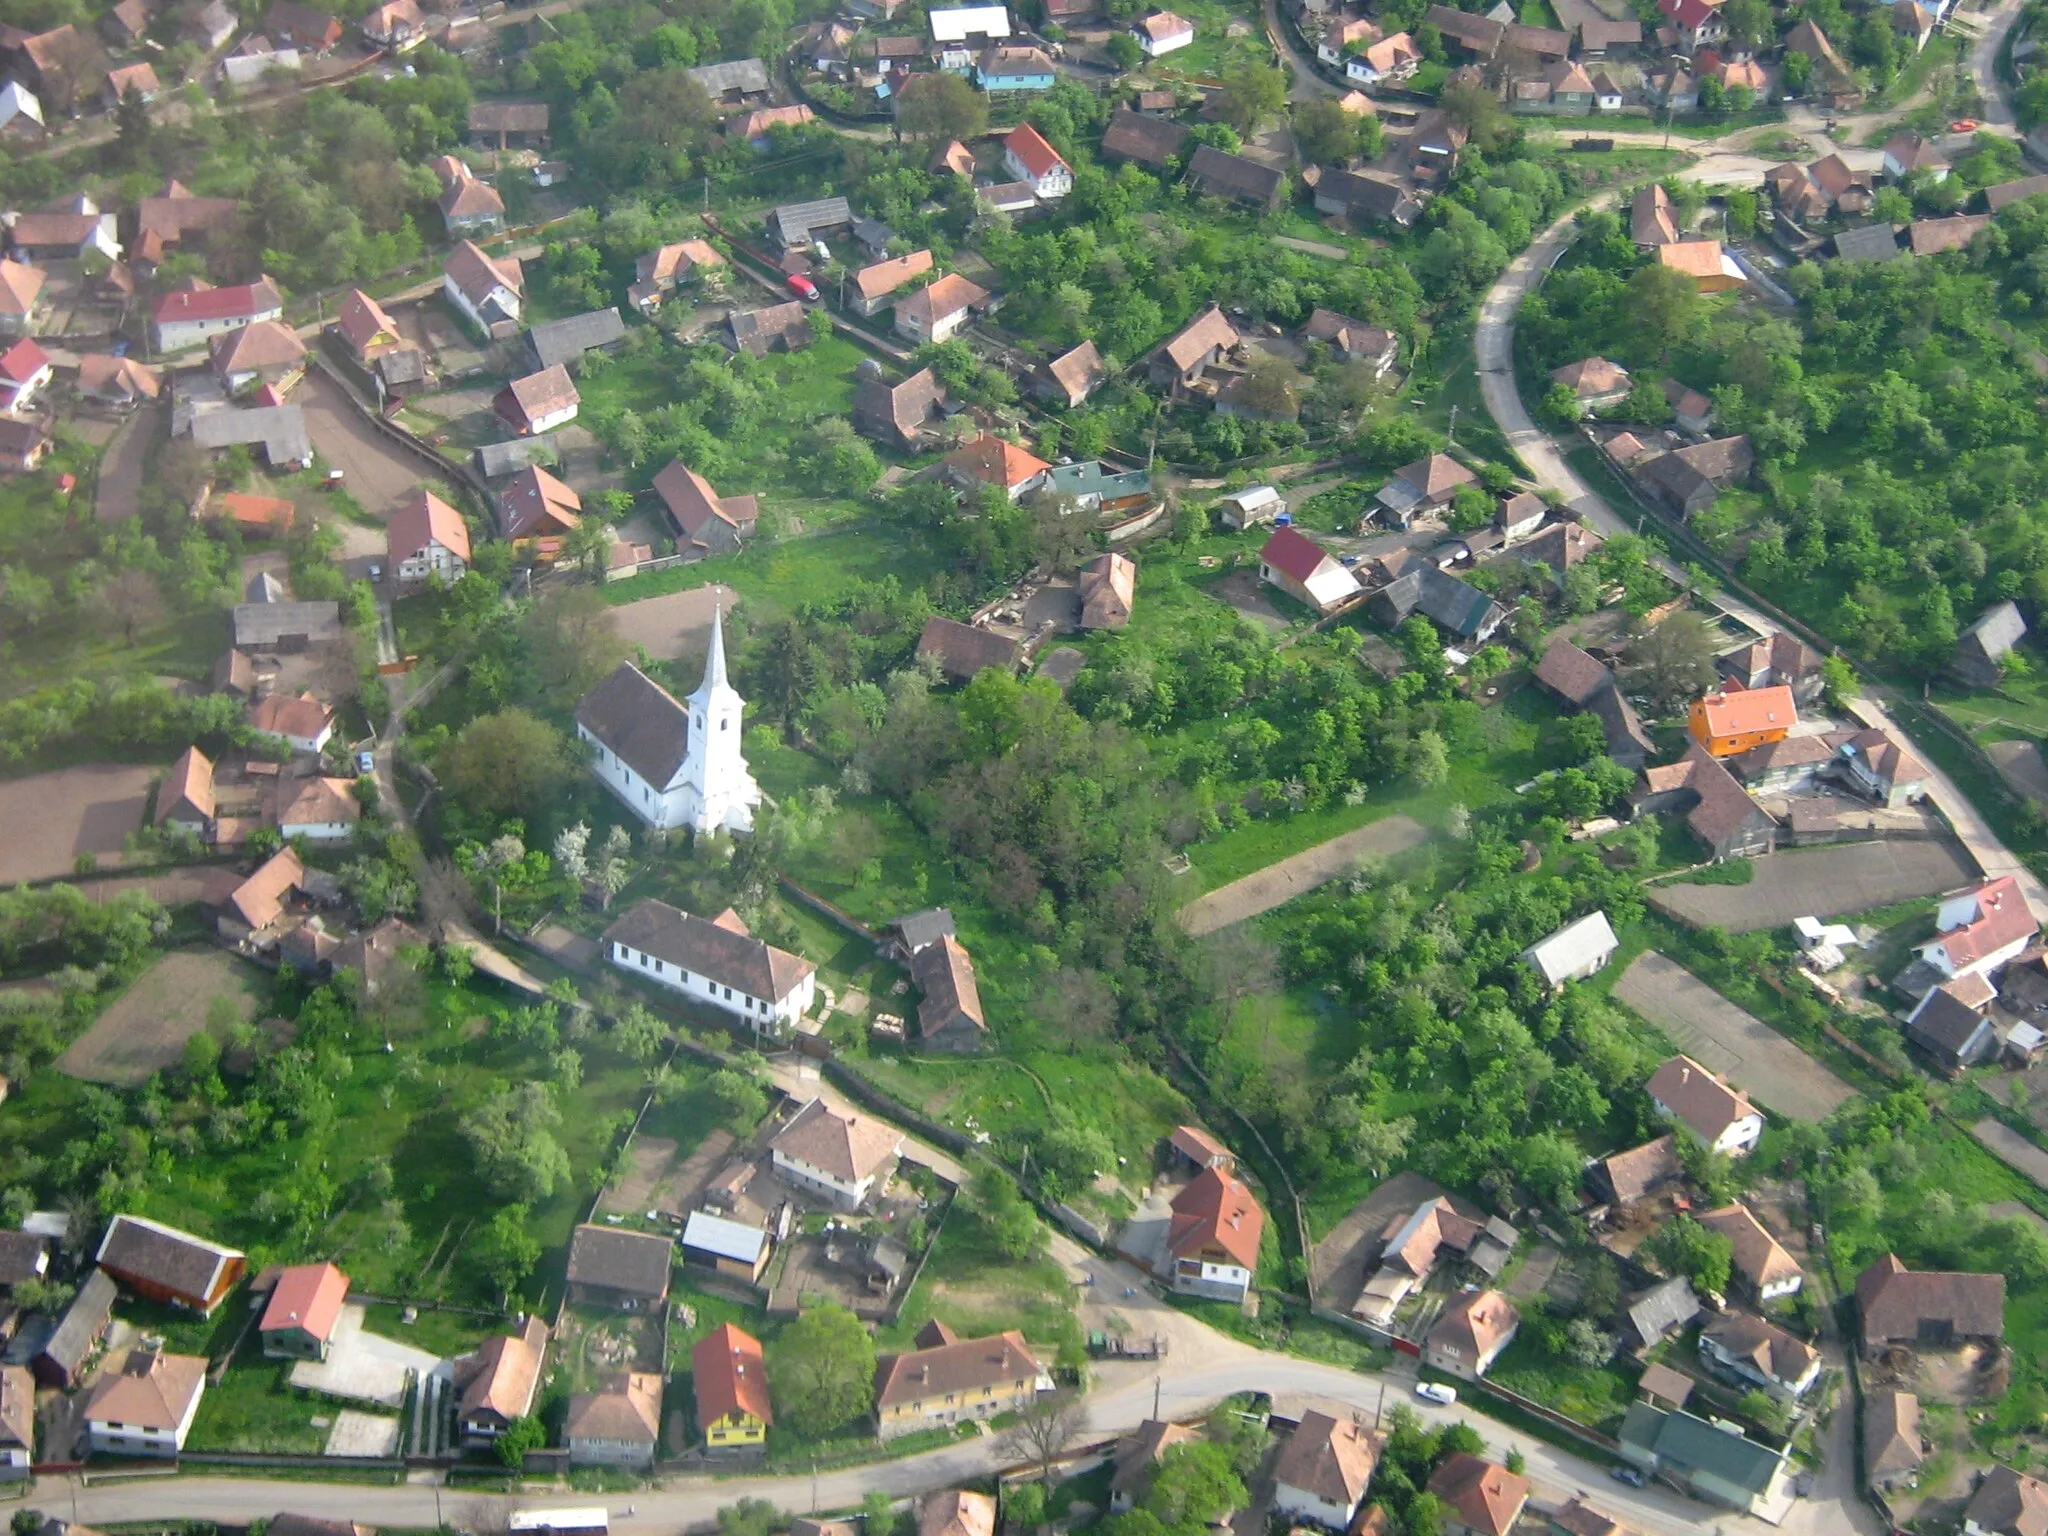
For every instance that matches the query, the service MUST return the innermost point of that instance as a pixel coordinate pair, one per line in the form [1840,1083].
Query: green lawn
[254,1408]
[781,577]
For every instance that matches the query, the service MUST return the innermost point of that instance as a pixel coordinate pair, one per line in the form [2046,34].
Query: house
[1983,647]
[498,1382]
[962,650]
[661,270]
[534,505]
[1072,376]
[1423,486]
[1689,479]
[1256,504]
[757,128]
[74,234]
[260,353]
[1601,38]
[1481,1498]
[1587,684]
[715,961]
[186,317]
[956,158]
[1519,516]
[839,1157]
[539,402]
[1608,94]
[1236,179]
[897,414]
[1212,1244]
[487,290]
[560,342]
[1711,269]
[1301,568]
[185,798]
[1893,1447]
[1151,141]
[730,1376]
[1108,585]
[1660,1312]
[319,809]
[426,542]
[1201,1150]
[951,1379]
[119,383]
[618,1425]
[949,1016]
[1577,950]
[2006,1503]
[468,206]
[1760,1354]
[794,226]
[2006,193]
[730,1248]
[1414,1242]
[61,64]
[1570,88]
[1470,1334]
[1778,660]
[1354,340]
[1722,1117]
[1948,1023]
[1761,1266]
[907,935]
[297,26]
[1705,1460]
[1872,242]
[1342,36]
[161,1263]
[505,125]
[1640,1173]
[365,328]
[1390,60]
[1478,37]
[936,312]
[17,1422]
[1878,768]
[1014,197]
[956,1513]
[61,1360]
[139,78]
[1136,1460]
[1005,68]
[21,115]
[396,25]
[612,1267]
[994,461]
[302,720]
[146,1408]
[1465,614]
[1161,32]
[959,24]
[1847,190]
[1181,361]
[25,371]
[1696,22]
[705,522]
[875,287]
[1029,158]
[1979,930]
[1728,724]
[1322,1472]
[305,1304]
[1094,487]
[1595,383]
[1930,237]
[1906,152]
[259,901]
[758,332]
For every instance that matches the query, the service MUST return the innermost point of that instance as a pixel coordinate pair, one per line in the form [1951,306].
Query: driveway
[1824,882]
[364,1366]
[2013,1149]
[1278,884]
[1729,1040]
[119,495]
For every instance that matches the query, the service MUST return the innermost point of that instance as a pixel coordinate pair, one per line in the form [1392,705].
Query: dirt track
[1822,882]
[1278,884]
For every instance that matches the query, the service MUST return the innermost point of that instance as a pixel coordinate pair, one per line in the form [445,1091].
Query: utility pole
[707,183]
[1454,423]
[1155,1399]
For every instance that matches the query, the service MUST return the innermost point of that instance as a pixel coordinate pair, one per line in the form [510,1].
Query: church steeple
[714,663]
[714,766]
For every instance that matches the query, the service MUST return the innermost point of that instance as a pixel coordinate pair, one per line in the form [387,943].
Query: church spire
[714,663]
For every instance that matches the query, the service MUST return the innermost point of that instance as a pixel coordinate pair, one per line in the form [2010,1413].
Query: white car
[1436,1392]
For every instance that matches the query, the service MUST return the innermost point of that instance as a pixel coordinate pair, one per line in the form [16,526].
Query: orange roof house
[1710,268]
[1212,1243]
[1728,724]
[731,1380]
[305,1304]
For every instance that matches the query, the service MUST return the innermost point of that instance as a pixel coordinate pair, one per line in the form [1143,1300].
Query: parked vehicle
[1109,1346]
[366,763]
[1624,1474]
[1436,1392]
[803,287]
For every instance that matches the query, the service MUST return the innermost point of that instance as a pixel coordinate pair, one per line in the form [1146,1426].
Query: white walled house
[147,1407]
[839,1156]
[426,541]
[674,764]
[1719,1115]
[716,961]
[1321,1474]
[1162,32]
[1029,158]
[321,809]
[489,292]
[1980,929]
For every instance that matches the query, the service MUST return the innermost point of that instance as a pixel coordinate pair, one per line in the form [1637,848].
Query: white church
[674,763]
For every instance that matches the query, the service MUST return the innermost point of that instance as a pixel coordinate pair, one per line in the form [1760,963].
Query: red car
[803,287]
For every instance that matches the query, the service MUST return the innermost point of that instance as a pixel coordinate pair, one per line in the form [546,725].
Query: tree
[1327,134]
[511,1135]
[821,1371]
[132,128]
[749,1517]
[664,115]
[1123,50]
[1252,92]
[1429,760]
[638,1035]
[1271,387]
[1005,1214]
[1674,661]
[1477,108]
[506,1252]
[132,597]
[1663,307]
[740,1099]
[1702,1255]
[1759,1407]
[1041,1430]
[573,641]
[587,546]
[521,1435]
[941,106]
[1799,71]
[506,764]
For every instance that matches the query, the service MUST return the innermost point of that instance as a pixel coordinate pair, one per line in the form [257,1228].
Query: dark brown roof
[1891,1434]
[728,957]
[944,973]
[640,721]
[851,1147]
[1147,140]
[963,1366]
[902,408]
[1247,181]
[962,650]
[1077,369]
[508,117]
[23,1256]
[2009,1503]
[1642,1170]
[634,1262]
[1544,42]
[140,1249]
[1333,1459]
[1478,33]
[758,329]
[1894,1301]
[1571,673]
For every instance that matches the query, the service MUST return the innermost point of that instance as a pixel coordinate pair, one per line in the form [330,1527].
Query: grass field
[781,577]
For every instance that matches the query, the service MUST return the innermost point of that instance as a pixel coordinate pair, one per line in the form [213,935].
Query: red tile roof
[426,517]
[22,361]
[1032,151]
[2002,917]
[243,299]
[1293,553]
[1217,1210]
[307,1296]
[730,1375]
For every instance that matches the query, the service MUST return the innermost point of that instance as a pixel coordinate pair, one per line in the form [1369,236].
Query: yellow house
[732,1388]
[947,1379]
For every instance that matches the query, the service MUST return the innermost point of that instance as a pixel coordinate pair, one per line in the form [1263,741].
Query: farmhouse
[714,961]
[188,317]
[305,1303]
[618,1425]
[302,720]
[1925,1309]
[1029,158]
[1423,486]
[1236,179]
[949,1016]
[1471,1334]
[730,1375]
[77,1334]
[1108,588]
[839,1157]
[1717,809]
[612,1267]
[1893,1447]
[1979,930]
[1760,1354]
[487,290]
[897,414]
[1577,950]
[996,461]
[563,341]
[1981,652]
[1585,683]
[535,505]
[539,402]
[498,1382]
[1761,1265]
[1354,340]
[508,124]
[949,1379]
[1721,1116]
[1212,1243]
[1182,360]
[161,1263]
[1640,1172]
[1300,567]
[146,1408]
[957,1512]
[962,650]
[1136,1460]
[1322,1472]
[2006,1503]
[935,312]
[1481,1498]
[1705,1460]
[1153,141]
[660,271]
[875,287]
[705,522]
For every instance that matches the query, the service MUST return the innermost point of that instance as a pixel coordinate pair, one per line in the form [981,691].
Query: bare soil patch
[1244,592]
[675,624]
[146,1028]
[1340,1259]
[2019,763]
[1821,882]
[52,818]
[1279,883]
[375,472]
[1748,1052]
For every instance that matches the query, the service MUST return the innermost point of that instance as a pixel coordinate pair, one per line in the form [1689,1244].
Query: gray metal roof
[496,460]
[563,341]
[792,223]
[745,75]
[725,1239]
[1664,1309]
[281,429]
[1873,242]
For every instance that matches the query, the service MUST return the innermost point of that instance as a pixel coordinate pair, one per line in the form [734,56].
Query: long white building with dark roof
[714,960]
